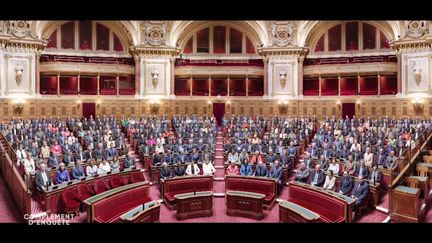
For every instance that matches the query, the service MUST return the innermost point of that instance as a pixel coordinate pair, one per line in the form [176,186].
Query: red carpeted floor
[8,211]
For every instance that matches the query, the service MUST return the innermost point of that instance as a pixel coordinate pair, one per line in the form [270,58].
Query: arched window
[85,36]
[219,40]
[351,36]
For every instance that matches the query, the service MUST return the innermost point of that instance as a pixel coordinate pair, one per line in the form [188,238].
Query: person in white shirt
[91,169]
[29,165]
[233,156]
[330,180]
[20,153]
[355,145]
[334,167]
[192,169]
[45,150]
[104,167]
[159,148]
[368,158]
[208,168]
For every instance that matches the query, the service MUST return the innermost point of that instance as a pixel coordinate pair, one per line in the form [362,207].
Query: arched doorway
[219,112]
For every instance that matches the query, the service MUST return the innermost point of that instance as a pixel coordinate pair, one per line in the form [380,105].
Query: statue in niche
[19,69]
[155,77]
[417,73]
[282,78]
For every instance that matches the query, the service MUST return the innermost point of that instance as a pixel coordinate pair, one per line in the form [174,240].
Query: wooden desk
[194,205]
[374,189]
[423,183]
[245,204]
[406,205]
[147,213]
[293,213]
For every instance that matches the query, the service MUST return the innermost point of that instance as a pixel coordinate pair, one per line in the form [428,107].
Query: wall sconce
[209,103]
[283,106]
[98,103]
[228,103]
[418,106]
[18,106]
[358,103]
[79,103]
[154,106]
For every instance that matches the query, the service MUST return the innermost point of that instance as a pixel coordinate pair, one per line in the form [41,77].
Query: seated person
[271,157]
[261,169]
[112,151]
[334,167]
[169,158]
[346,184]
[208,168]
[381,158]
[233,156]
[302,173]
[256,158]
[42,178]
[99,153]
[29,164]
[115,165]
[323,162]
[330,180]
[391,162]
[179,170]
[156,159]
[308,161]
[78,170]
[165,172]
[246,168]
[243,155]
[53,161]
[362,170]
[159,148]
[350,165]
[192,169]
[368,158]
[195,155]
[129,161]
[276,174]
[104,167]
[360,191]
[286,159]
[232,169]
[317,177]
[91,169]
[62,174]
[80,155]
[292,150]
[375,175]
[45,150]
[68,158]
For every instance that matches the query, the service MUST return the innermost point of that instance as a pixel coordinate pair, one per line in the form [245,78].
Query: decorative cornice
[286,51]
[411,44]
[12,43]
[350,68]
[154,51]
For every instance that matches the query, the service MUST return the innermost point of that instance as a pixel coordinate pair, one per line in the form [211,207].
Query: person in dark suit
[179,170]
[129,161]
[302,173]
[375,175]
[360,191]
[165,172]
[317,176]
[381,158]
[53,160]
[80,155]
[78,170]
[346,184]
[261,169]
[43,178]
[276,174]
[68,158]
[362,170]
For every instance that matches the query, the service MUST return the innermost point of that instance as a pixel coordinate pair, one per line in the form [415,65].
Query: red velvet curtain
[48,84]
[388,84]
[335,38]
[182,86]
[256,86]
[236,38]
[117,43]
[68,35]
[85,35]
[384,41]
[203,40]
[369,85]
[68,85]
[88,85]
[89,109]
[102,37]
[311,86]
[219,87]
[351,36]
[52,40]
[369,34]
[329,86]
[250,49]
[348,109]
[349,86]
[219,35]
[219,112]
[188,47]
[200,87]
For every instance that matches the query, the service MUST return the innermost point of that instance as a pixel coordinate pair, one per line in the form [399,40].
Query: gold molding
[287,51]
[157,51]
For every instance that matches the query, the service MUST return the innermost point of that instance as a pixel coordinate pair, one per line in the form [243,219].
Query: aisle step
[219,167]
[219,194]
[219,179]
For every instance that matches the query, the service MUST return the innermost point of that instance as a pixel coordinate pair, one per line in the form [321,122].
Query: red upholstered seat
[71,201]
[116,181]
[137,177]
[100,186]
[84,192]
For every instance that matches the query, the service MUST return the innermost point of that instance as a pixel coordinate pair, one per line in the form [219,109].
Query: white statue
[417,73]
[155,77]
[19,69]
[282,79]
